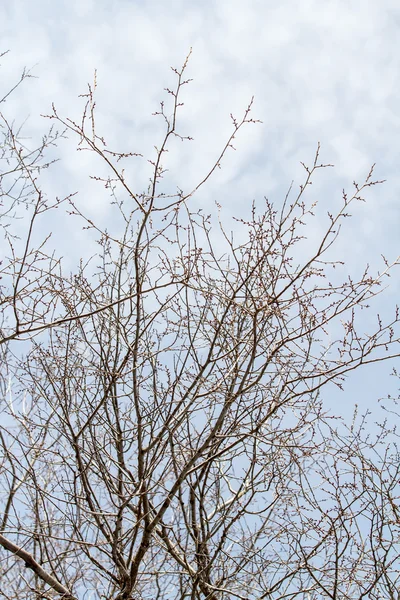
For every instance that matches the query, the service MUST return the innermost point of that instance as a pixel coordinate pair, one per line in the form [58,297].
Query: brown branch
[31,563]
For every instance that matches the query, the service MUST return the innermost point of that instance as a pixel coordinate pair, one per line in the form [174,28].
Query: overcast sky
[324,72]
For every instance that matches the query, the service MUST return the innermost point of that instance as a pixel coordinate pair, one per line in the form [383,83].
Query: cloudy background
[324,72]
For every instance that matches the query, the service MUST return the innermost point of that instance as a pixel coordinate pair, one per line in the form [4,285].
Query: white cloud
[323,71]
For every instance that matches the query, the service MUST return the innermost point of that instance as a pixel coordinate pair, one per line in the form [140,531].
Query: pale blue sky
[320,71]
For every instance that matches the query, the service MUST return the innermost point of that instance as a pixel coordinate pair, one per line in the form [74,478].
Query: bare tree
[164,431]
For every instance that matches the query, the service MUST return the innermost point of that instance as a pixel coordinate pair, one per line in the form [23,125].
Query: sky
[325,72]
